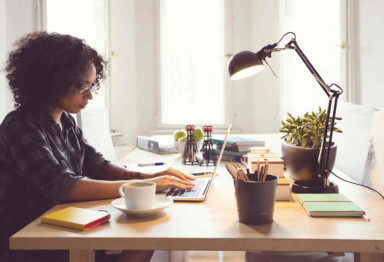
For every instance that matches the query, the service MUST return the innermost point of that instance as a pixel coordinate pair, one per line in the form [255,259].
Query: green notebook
[333,209]
[321,198]
[329,205]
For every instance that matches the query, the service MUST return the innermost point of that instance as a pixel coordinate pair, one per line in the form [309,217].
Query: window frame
[228,116]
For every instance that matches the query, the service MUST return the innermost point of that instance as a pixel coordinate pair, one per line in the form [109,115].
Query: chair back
[374,172]
[94,123]
[353,143]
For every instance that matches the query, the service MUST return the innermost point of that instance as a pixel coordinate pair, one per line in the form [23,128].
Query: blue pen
[153,164]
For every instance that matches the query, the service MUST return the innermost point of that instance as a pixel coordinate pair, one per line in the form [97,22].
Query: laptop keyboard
[194,192]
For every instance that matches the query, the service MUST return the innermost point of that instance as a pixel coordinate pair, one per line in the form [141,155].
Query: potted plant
[302,143]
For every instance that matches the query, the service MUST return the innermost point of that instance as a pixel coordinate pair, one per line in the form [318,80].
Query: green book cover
[240,141]
[333,209]
[322,197]
[230,153]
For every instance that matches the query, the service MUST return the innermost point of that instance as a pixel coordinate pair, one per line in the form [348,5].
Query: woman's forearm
[89,189]
[109,171]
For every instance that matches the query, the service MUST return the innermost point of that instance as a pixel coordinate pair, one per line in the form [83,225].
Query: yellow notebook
[78,218]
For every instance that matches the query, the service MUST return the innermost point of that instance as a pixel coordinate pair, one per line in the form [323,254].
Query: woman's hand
[172,178]
[173,172]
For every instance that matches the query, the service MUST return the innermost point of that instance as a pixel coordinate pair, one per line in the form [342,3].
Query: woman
[44,157]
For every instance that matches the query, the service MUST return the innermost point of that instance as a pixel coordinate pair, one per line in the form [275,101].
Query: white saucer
[161,202]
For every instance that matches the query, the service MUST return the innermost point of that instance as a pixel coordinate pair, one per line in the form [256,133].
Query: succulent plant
[308,130]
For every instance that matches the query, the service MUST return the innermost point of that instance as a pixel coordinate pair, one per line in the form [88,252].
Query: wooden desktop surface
[213,225]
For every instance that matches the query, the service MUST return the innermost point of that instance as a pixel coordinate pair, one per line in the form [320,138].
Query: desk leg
[82,255]
[368,257]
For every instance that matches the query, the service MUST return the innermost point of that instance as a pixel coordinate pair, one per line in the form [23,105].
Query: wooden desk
[213,225]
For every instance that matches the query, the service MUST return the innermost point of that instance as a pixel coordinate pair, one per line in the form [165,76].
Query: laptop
[202,185]
[154,146]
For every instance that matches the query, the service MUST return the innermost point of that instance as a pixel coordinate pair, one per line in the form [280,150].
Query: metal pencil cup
[256,200]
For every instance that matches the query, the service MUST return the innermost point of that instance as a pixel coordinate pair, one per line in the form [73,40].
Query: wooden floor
[216,256]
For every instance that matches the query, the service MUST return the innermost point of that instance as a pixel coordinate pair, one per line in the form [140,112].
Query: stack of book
[236,147]
[276,167]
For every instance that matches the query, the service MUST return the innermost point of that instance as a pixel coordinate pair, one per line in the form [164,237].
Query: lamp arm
[293,45]
[267,50]
[322,172]
[333,95]
[331,129]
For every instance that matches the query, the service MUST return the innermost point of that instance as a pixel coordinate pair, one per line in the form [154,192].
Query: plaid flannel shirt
[39,164]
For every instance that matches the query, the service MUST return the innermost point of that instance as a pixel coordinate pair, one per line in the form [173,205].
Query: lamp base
[313,187]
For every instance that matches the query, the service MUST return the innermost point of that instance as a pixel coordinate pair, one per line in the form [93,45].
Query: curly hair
[44,66]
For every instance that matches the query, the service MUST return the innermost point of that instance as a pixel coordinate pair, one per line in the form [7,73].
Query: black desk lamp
[246,63]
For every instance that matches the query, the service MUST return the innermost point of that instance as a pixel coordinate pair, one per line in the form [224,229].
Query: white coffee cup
[138,194]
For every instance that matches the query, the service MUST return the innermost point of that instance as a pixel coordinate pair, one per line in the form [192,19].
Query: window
[320,34]
[192,62]
[85,19]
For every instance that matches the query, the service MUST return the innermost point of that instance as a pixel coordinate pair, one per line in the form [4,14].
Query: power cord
[357,184]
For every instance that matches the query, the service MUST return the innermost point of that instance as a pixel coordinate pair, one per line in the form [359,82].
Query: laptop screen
[221,153]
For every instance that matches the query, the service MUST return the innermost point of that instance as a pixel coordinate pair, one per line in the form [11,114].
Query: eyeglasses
[84,88]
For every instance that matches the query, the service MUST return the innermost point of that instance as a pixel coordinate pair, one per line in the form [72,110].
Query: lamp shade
[244,64]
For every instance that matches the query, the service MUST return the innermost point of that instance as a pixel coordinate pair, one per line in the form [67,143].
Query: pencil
[262,174]
[242,175]
[245,176]
[266,169]
[242,170]
[231,171]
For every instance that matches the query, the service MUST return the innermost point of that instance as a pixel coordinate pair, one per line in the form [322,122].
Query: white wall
[255,99]
[123,97]
[370,40]
[146,65]
[266,87]
[133,72]
[242,90]
[17,18]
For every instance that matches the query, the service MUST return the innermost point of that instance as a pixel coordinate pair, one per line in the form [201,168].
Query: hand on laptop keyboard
[191,192]
[172,178]
[173,172]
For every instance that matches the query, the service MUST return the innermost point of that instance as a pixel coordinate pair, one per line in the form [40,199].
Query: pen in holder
[208,150]
[190,156]
[255,194]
